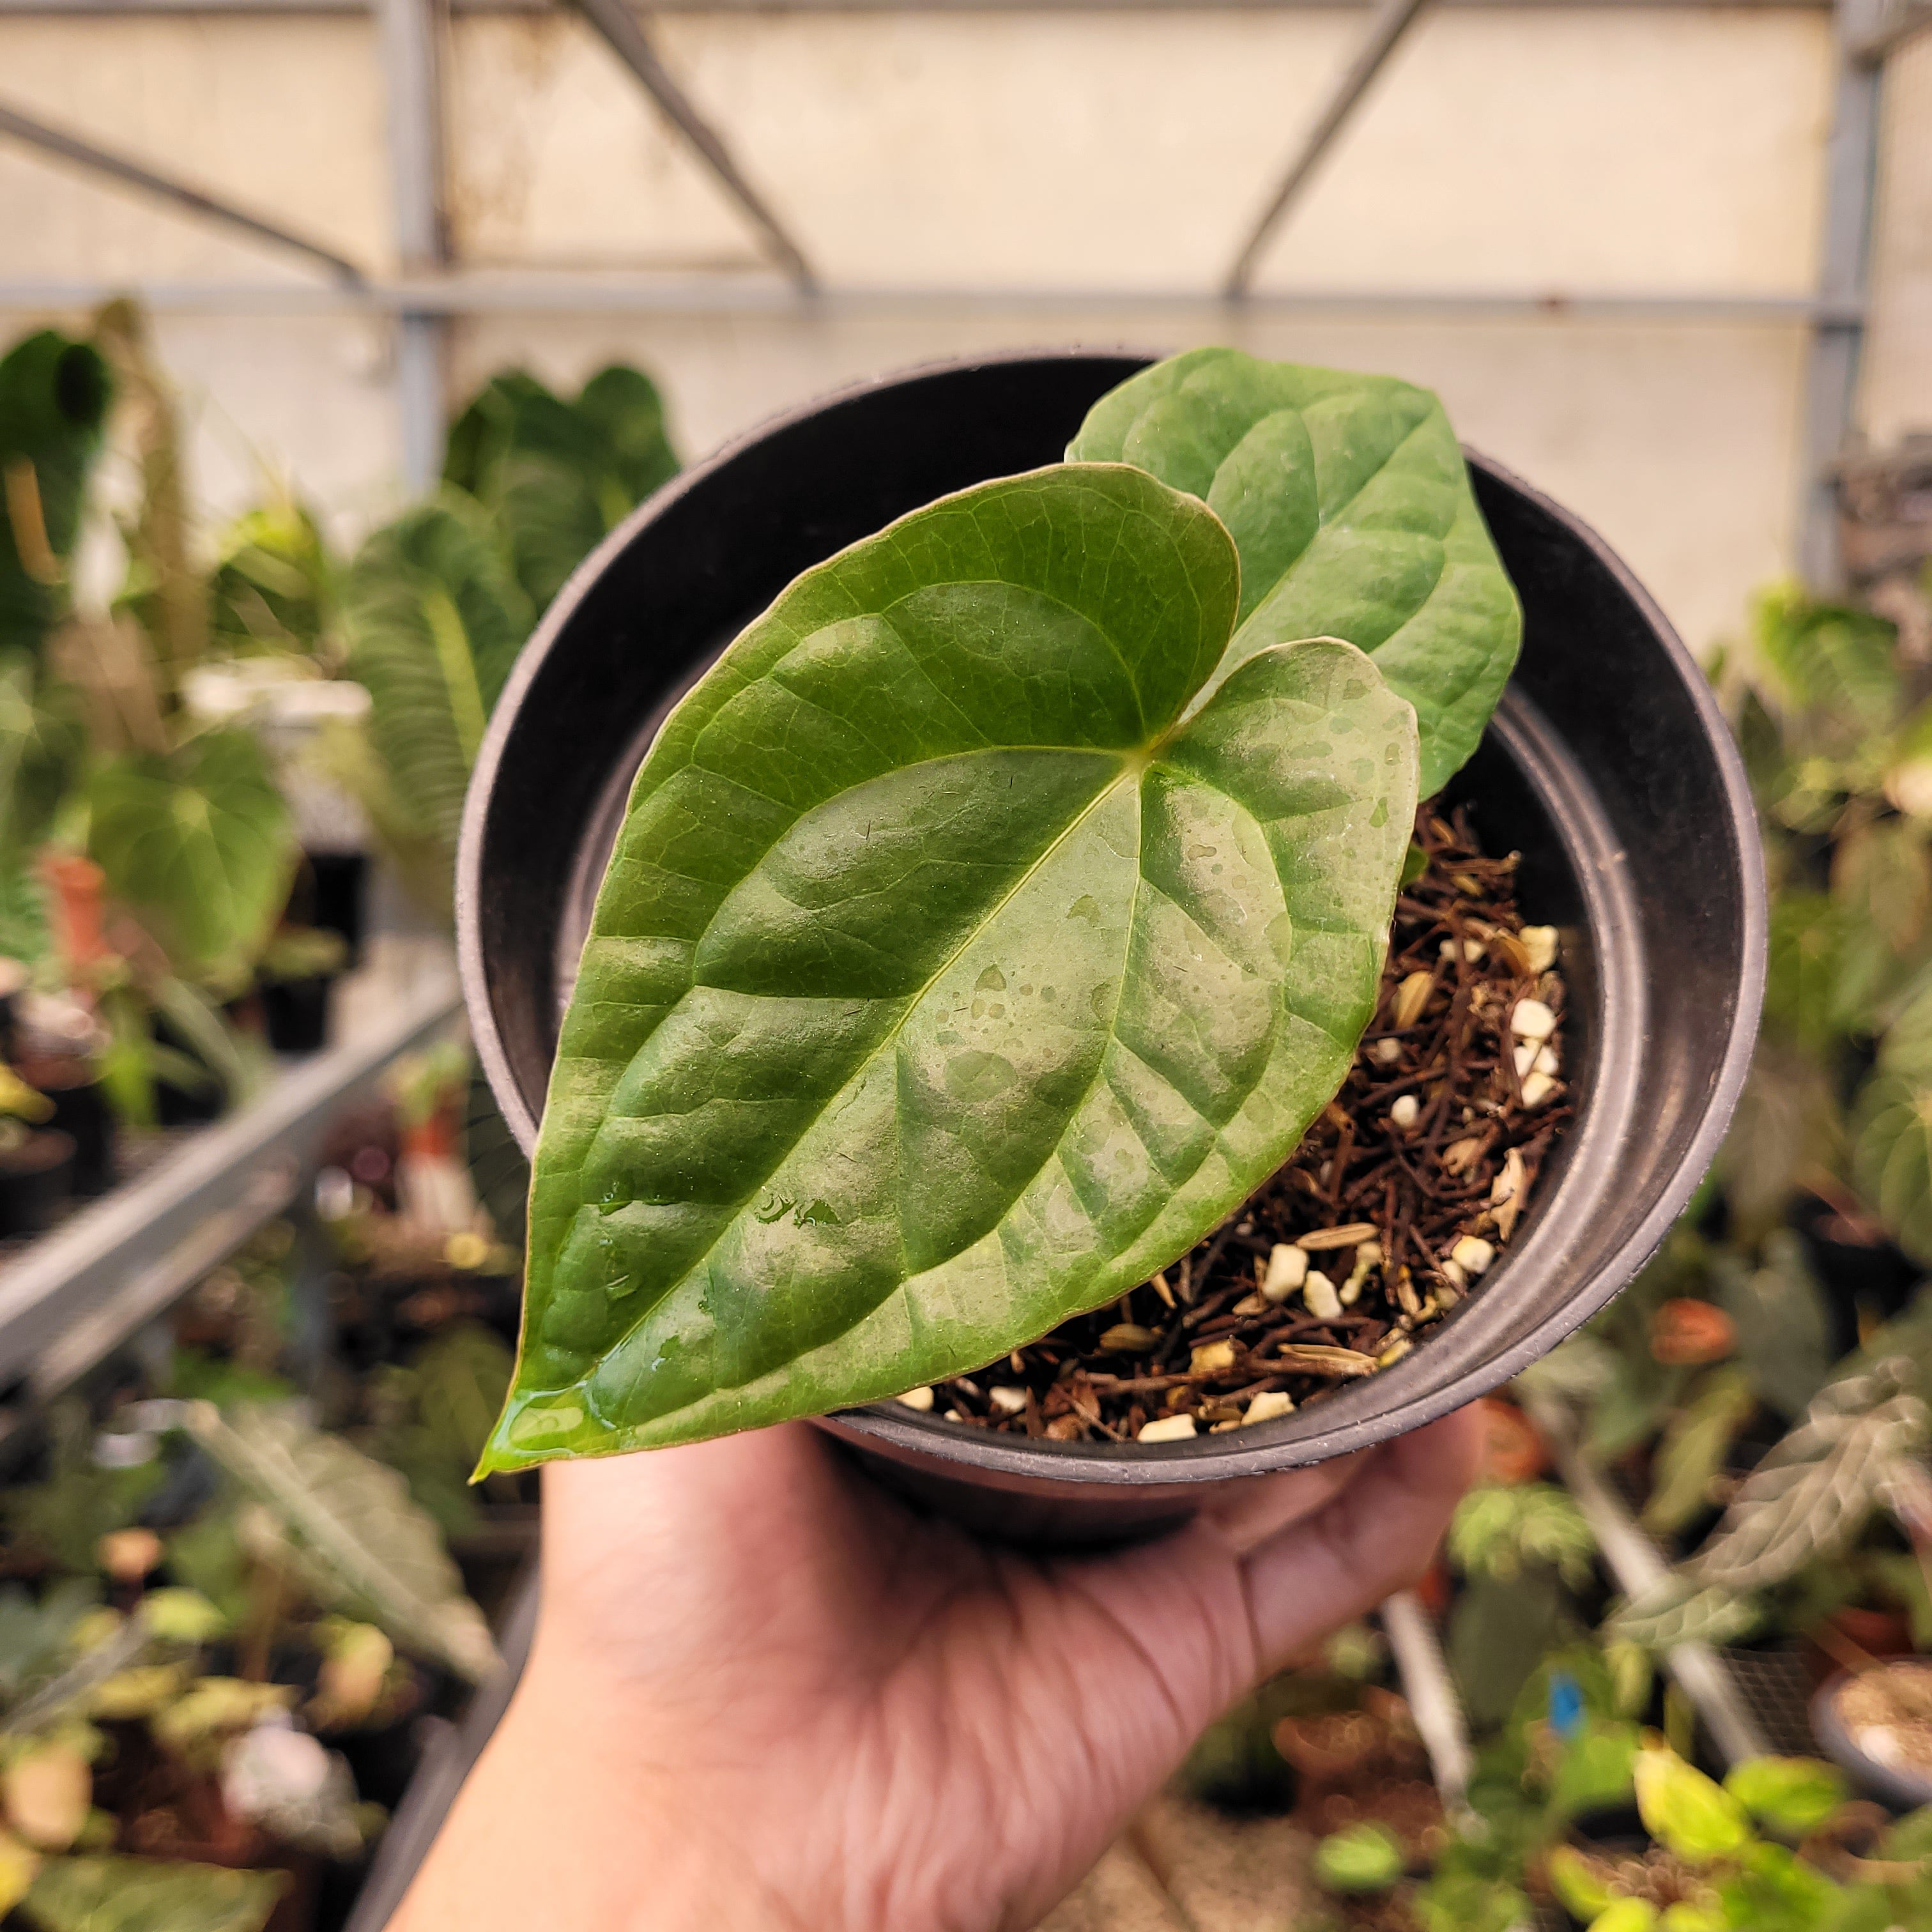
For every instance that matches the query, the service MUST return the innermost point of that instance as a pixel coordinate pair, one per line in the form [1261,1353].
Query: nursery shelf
[70,1298]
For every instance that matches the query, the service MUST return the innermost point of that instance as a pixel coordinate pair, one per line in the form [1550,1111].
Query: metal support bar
[150,1290]
[1636,1563]
[1898,21]
[1832,375]
[623,34]
[94,1262]
[68,9]
[407,30]
[537,292]
[98,160]
[1392,19]
[1431,1697]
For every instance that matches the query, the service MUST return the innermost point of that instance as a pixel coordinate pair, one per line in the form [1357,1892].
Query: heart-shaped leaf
[949,976]
[1349,501]
[200,840]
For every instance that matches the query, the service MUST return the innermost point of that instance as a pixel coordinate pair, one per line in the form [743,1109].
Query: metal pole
[1431,1698]
[71,147]
[1634,1560]
[407,30]
[1831,375]
[1392,19]
[623,34]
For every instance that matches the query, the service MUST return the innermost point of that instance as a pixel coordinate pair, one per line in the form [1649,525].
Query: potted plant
[1577,772]
[298,968]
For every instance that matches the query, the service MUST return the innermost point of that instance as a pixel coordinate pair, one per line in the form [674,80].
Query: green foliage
[436,1417]
[1577,1882]
[433,620]
[1364,1858]
[1498,1632]
[344,1525]
[556,476]
[1695,1442]
[1818,986]
[274,584]
[35,1634]
[911,1024]
[149,1895]
[199,841]
[1807,1502]
[1773,1890]
[1892,1156]
[1500,1530]
[1792,1796]
[54,397]
[66,1514]
[1829,658]
[43,740]
[24,935]
[1784,1325]
[1595,1768]
[206,1556]
[1465,1902]
[1351,505]
[1626,1914]
[1690,1814]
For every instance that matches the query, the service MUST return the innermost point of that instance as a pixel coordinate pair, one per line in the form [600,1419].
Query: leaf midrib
[1133,768]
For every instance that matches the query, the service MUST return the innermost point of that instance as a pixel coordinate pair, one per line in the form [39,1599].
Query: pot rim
[1020,1462]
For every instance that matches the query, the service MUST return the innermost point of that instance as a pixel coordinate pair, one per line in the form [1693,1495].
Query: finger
[1373,1537]
[1253,1511]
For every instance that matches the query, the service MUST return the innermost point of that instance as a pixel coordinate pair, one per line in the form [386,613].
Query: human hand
[764,1692]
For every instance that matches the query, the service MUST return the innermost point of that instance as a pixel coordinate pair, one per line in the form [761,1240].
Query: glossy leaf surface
[1349,498]
[944,981]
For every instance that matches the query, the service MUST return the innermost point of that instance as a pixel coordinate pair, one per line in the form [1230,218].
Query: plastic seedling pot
[1608,765]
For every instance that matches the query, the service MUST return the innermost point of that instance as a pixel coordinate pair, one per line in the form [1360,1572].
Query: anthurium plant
[995,914]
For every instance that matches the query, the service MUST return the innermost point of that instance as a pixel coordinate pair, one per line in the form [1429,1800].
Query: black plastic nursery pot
[1608,765]
[35,1178]
[296,1011]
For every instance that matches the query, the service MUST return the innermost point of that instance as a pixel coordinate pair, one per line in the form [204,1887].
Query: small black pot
[83,1112]
[35,1178]
[296,1012]
[1608,765]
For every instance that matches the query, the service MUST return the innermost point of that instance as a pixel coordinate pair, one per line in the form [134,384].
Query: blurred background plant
[163,739]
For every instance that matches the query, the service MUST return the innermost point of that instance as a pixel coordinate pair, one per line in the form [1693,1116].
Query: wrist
[568,1820]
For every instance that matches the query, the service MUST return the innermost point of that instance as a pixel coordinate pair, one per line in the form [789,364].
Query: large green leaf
[557,475]
[149,1895]
[434,621]
[201,842]
[1349,501]
[947,978]
[54,394]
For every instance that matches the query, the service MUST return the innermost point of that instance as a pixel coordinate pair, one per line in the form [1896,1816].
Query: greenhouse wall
[1519,151]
